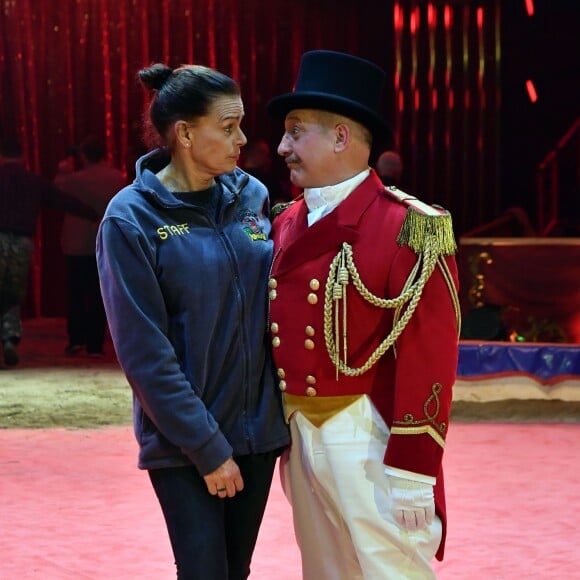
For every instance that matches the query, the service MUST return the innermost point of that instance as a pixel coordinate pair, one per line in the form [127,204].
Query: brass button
[314,284]
[309,331]
[282,385]
[310,380]
[272,283]
[311,392]
[274,327]
[281,374]
[309,344]
[276,342]
[312,298]
[272,294]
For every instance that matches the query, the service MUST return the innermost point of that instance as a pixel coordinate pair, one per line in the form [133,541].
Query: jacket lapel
[299,243]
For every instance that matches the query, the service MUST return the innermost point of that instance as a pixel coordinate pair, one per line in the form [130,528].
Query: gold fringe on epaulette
[419,229]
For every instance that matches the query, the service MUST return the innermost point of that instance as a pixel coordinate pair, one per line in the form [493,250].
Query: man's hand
[225,481]
[413,503]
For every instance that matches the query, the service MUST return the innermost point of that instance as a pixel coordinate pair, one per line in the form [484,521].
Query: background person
[364,324]
[184,255]
[389,168]
[11,334]
[22,195]
[95,184]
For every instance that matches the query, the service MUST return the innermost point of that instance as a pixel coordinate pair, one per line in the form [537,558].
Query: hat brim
[281,105]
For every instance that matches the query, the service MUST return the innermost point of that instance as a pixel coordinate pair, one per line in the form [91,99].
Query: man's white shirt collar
[322,200]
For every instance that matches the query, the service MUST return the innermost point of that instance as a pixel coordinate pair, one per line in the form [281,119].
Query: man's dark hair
[11,149]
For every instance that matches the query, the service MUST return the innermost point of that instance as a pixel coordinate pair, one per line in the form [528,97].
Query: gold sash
[317,410]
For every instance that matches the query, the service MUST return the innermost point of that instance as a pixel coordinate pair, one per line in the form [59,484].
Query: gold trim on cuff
[418,431]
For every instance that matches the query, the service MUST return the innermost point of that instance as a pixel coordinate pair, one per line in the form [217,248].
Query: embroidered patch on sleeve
[251,225]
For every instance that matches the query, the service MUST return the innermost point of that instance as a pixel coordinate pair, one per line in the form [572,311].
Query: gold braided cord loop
[399,309]
[442,264]
[412,294]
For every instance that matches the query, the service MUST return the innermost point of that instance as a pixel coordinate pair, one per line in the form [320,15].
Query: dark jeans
[86,321]
[212,538]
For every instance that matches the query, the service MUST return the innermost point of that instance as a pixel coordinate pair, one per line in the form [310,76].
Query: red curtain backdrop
[68,68]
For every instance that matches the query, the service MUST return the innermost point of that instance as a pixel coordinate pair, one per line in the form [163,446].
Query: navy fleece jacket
[185,291]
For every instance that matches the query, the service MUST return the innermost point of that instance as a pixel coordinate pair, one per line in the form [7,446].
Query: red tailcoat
[411,385]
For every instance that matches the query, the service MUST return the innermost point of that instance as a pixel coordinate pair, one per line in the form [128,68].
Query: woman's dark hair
[185,93]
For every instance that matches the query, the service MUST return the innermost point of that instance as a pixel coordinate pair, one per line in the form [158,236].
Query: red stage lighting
[531,91]
[530,7]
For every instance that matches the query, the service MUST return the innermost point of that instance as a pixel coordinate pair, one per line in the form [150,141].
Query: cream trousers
[334,478]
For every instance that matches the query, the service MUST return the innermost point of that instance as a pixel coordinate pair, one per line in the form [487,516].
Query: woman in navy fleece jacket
[184,255]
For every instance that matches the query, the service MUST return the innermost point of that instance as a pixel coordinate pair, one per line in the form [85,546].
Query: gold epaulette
[424,224]
[278,208]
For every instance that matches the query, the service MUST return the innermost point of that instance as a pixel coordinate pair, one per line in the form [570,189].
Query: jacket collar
[151,163]
[299,243]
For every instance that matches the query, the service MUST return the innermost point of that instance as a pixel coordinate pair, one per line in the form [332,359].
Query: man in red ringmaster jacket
[364,322]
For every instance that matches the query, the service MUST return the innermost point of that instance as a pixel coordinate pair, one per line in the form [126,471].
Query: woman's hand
[225,481]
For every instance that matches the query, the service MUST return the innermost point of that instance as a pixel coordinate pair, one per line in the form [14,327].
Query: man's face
[308,148]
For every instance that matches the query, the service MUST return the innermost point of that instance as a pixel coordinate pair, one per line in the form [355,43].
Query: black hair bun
[155,76]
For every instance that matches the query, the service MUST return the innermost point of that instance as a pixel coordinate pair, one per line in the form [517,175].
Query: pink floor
[74,506]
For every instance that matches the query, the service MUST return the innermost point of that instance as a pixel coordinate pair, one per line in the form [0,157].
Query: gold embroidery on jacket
[411,426]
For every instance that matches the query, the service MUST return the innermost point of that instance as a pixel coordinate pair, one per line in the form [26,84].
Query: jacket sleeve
[58,199]
[138,322]
[426,364]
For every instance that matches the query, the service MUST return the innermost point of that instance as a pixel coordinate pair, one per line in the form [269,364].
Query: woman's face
[216,138]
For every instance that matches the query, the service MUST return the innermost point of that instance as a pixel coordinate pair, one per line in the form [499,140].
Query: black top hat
[339,83]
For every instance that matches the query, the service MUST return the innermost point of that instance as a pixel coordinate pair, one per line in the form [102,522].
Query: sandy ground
[49,389]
